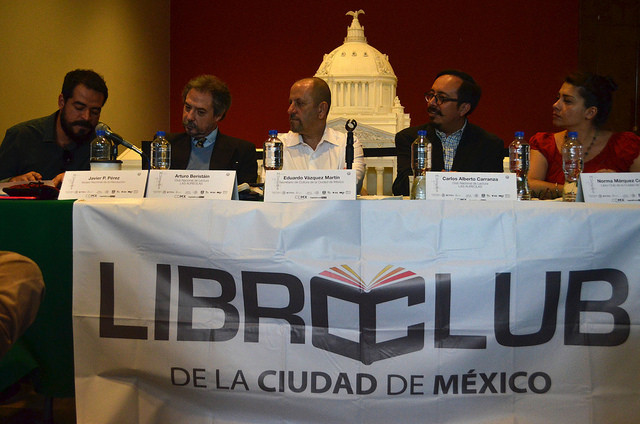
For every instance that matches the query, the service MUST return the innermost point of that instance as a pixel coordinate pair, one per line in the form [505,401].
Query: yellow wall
[125,41]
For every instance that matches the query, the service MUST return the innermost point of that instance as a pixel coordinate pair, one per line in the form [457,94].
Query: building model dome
[363,85]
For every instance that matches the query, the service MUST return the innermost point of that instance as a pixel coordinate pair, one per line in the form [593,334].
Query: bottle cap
[422,133]
[273,133]
[519,133]
[573,134]
[100,133]
[160,134]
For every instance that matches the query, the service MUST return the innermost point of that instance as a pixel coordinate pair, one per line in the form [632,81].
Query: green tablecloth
[42,231]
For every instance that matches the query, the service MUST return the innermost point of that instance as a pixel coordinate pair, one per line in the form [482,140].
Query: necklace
[593,140]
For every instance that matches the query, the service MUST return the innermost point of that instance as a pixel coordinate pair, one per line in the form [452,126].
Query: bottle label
[519,159]
[160,155]
[272,156]
[421,157]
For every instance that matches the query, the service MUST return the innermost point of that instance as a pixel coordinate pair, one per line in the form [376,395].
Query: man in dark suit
[202,146]
[457,144]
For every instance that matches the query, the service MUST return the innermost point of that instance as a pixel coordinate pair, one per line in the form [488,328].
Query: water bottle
[273,150]
[420,163]
[572,162]
[519,164]
[100,148]
[160,152]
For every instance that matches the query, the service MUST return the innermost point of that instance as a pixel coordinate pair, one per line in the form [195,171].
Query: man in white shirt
[310,144]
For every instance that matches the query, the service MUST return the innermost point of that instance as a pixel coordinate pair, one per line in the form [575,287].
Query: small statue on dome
[355,23]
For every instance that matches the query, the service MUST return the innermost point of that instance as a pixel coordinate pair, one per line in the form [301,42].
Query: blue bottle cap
[100,133]
[573,134]
[519,133]
[273,133]
[160,134]
[422,133]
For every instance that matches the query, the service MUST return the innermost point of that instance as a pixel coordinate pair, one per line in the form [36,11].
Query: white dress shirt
[329,154]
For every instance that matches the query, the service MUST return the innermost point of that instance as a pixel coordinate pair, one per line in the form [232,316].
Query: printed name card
[192,184]
[103,184]
[298,186]
[471,186]
[603,187]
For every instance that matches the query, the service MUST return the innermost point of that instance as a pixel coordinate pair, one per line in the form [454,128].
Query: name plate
[192,184]
[298,186]
[103,184]
[471,186]
[603,187]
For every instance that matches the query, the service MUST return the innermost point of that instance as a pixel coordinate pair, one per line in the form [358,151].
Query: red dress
[619,153]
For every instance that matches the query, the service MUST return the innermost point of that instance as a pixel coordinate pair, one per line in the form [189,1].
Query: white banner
[358,312]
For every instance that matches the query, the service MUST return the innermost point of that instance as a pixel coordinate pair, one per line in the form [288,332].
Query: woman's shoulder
[625,144]
[543,140]
[625,136]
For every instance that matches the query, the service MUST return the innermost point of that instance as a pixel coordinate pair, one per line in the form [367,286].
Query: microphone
[116,138]
[349,154]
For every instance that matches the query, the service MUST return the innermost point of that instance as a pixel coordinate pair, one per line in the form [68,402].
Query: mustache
[82,123]
[434,110]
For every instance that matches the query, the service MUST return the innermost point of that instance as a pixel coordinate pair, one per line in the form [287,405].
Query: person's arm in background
[21,292]
[403,153]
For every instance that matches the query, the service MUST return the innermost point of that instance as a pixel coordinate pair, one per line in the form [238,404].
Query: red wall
[518,51]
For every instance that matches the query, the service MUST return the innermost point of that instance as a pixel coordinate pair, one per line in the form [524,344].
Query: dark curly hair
[596,90]
[86,77]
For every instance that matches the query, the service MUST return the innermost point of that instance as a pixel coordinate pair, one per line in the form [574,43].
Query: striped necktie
[200,142]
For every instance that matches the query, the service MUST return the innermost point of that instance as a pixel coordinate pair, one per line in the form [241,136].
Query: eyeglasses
[440,99]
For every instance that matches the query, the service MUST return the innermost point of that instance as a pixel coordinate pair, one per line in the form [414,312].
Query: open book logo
[343,286]
[388,275]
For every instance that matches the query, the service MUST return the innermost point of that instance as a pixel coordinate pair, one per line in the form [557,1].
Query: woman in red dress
[583,105]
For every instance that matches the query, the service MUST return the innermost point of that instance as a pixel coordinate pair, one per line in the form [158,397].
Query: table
[368,312]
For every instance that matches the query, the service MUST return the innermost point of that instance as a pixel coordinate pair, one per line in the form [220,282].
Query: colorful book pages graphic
[387,275]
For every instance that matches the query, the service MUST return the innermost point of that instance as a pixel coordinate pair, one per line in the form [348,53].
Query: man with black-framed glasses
[458,145]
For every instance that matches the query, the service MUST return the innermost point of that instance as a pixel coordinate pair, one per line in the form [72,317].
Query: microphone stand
[350,126]
[117,142]
[116,139]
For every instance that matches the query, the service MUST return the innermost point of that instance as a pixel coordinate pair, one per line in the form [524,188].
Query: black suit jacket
[478,151]
[229,153]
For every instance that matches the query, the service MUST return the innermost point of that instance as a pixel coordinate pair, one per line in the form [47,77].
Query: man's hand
[57,180]
[29,176]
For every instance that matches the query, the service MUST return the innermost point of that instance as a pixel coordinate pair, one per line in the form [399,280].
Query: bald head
[320,91]
[309,101]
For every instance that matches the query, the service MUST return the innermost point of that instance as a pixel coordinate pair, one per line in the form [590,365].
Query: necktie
[200,142]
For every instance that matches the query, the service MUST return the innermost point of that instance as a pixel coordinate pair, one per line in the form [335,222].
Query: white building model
[363,87]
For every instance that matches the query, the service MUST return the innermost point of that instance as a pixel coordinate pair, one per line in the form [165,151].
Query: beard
[295,125]
[434,113]
[81,137]
[190,128]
